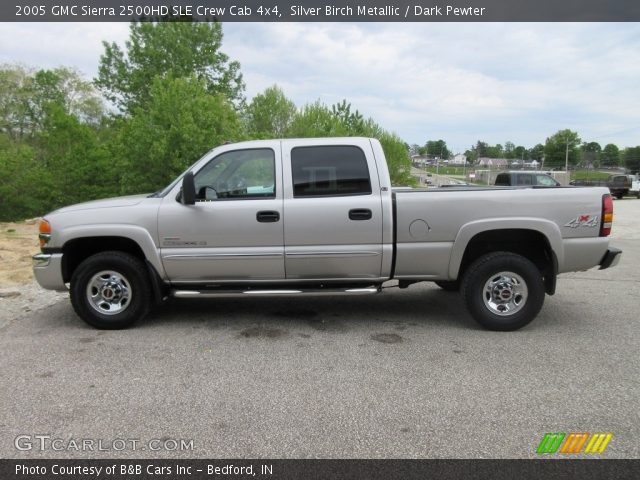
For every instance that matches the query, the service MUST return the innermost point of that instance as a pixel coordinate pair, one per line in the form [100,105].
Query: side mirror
[188,189]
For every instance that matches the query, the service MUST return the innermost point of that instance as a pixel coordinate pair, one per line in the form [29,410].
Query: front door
[235,229]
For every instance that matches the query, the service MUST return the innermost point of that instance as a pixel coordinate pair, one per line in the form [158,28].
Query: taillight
[45,233]
[607,215]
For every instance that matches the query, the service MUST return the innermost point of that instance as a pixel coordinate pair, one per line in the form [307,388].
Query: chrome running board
[272,292]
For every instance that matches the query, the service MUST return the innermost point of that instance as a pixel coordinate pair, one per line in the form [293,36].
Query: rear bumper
[611,258]
[47,268]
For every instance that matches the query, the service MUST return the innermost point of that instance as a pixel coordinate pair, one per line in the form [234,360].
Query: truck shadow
[394,309]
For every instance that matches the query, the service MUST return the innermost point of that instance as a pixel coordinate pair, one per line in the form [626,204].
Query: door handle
[360,214]
[268,216]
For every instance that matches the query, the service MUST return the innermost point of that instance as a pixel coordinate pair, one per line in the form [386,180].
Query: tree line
[155,107]
[553,153]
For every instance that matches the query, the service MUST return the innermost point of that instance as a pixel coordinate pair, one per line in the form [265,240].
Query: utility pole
[438,167]
[566,157]
[464,167]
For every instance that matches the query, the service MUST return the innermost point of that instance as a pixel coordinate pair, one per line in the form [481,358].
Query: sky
[461,82]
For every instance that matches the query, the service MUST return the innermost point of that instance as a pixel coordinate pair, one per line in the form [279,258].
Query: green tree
[495,151]
[557,145]
[509,150]
[591,154]
[167,48]
[632,159]
[398,158]
[610,156]
[26,183]
[270,114]
[481,149]
[25,95]
[437,148]
[163,138]
[317,120]
[80,166]
[520,153]
[15,84]
[51,154]
[353,121]
[414,149]
[537,152]
[70,91]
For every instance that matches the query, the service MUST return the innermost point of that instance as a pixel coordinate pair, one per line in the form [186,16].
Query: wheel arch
[76,250]
[80,242]
[538,241]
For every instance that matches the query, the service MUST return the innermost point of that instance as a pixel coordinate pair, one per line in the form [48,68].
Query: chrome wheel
[109,292]
[505,293]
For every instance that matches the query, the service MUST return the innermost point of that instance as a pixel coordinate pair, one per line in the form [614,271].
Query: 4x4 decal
[583,221]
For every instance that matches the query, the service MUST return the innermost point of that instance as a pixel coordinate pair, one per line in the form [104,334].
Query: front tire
[110,290]
[503,291]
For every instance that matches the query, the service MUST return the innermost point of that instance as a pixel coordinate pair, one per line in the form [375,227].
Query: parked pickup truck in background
[619,185]
[288,217]
[525,179]
[635,185]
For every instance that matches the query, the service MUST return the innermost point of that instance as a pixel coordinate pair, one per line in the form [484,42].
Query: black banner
[322,10]
[317,469]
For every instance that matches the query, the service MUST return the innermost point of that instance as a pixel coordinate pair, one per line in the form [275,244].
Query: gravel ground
[19,300]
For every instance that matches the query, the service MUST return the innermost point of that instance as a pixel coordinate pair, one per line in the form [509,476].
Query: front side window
[239,174]
[329,171]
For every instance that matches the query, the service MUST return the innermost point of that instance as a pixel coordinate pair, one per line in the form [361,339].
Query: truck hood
[127,201]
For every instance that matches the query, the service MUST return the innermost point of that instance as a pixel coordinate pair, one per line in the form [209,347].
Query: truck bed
[433,225]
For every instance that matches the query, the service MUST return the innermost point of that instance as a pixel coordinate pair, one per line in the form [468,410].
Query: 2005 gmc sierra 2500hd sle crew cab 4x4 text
[286,217]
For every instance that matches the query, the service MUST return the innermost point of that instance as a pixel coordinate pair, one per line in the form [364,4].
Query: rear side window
[329,171]
[524,179]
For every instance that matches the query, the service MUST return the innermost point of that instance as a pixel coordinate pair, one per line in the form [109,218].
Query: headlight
[45,233]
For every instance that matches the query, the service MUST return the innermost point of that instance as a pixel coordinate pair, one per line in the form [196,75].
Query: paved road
[403,374]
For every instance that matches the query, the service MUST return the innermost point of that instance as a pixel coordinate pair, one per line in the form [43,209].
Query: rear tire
[503,291]
[110,290]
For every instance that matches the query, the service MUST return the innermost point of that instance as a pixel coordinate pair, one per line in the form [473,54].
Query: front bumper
[47,268]
[611,258]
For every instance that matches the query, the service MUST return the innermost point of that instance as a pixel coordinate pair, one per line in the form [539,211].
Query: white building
[459,159]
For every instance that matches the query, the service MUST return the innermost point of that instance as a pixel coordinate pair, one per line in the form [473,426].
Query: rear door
[332,210]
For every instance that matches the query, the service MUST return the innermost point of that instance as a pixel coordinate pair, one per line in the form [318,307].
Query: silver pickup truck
[319,216]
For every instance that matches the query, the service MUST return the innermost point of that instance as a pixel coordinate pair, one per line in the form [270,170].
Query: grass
[589,175]
[448,170]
